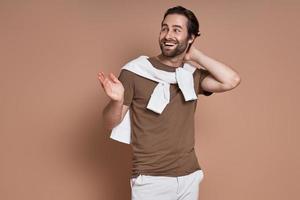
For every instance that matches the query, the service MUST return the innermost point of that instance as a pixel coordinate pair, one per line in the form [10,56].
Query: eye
[176,30]
[163,29]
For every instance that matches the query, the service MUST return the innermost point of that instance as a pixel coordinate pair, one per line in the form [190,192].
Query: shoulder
[126,74]
[125,70]
[201,72]
[137,60]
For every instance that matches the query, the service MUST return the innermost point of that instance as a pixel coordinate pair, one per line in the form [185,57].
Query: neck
[171,61]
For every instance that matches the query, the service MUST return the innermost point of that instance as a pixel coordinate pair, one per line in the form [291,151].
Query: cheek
[160,38]
[183,38]
[182,35]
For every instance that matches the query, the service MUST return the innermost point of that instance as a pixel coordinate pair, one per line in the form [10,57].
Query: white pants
[145,187]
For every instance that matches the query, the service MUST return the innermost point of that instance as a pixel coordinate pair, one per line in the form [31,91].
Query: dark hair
[192,25]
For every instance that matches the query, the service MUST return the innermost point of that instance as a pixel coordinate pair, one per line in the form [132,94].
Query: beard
[174,51]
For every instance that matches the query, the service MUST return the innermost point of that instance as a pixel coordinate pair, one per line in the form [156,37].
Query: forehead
[175,19]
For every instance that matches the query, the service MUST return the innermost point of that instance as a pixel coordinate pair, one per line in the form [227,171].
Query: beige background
[52,142]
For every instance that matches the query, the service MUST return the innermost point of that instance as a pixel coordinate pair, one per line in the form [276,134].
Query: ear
[191,40]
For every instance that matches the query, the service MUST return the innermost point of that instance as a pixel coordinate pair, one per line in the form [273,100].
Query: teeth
[168,43]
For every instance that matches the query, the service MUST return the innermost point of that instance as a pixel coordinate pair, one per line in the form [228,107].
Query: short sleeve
[203,74]
[127,79]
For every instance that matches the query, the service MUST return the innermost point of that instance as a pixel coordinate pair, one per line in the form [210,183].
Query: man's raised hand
[112,86]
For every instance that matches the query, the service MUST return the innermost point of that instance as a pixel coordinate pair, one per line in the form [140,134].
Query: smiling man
[161,94]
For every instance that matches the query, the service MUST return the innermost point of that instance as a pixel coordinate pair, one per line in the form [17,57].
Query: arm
[222,78]
[114,112]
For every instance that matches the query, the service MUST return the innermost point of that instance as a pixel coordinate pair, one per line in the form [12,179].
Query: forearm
[220,71]
[112,114]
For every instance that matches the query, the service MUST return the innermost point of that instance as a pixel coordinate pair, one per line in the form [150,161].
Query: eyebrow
[178,26]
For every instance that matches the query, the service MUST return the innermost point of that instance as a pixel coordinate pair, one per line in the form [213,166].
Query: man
[165,166]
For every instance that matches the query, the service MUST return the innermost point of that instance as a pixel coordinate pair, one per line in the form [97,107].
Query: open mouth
[169,44]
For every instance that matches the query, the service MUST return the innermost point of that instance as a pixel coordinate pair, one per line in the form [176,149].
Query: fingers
[101,78]
[113,78]
[105,81]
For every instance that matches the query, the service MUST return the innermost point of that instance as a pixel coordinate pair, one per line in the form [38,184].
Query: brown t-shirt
[162,144]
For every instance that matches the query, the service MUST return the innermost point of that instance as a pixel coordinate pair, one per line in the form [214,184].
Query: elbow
[109,128]
[233,83]
[108,125]
[236,81]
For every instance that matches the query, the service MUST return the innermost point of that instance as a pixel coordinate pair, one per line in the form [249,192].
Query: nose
[168,35]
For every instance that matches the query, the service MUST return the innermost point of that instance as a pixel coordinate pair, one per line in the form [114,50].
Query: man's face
[173,37]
